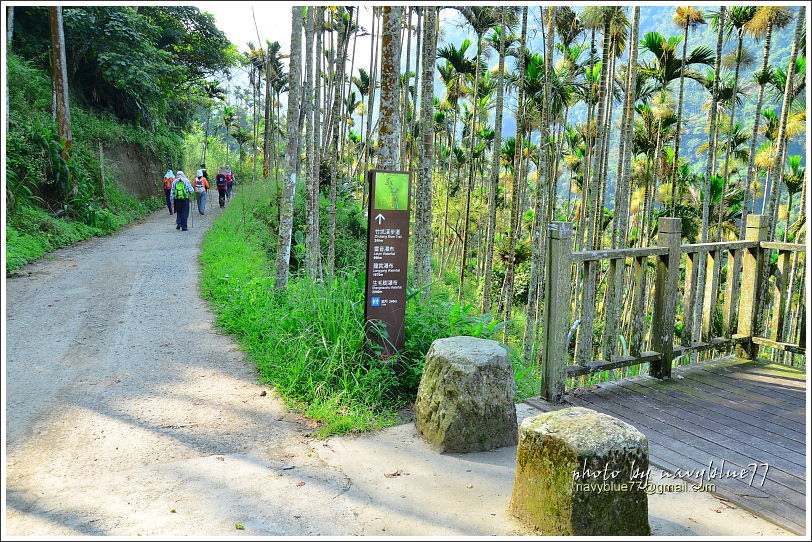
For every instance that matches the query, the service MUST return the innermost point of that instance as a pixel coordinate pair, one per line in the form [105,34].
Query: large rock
[581,472]
[465,400]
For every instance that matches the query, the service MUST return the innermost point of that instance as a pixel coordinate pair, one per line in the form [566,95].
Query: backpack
[180,190]
[221,181]
[229,178]
[199,188]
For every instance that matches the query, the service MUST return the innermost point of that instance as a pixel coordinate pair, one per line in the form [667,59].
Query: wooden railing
[644,320]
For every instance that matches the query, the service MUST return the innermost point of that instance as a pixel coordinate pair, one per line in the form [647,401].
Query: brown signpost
[387,258]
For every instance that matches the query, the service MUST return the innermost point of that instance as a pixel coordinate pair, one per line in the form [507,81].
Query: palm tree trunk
[515,204]
[373,55]
[423,193]
[730,138]
[679,122]
[710,167]
[404,113]
[312,190]
[470,188]
[754,137]
[334,130]
[497,144]
[389,129]
[266,141]
[615,284]
[292,146]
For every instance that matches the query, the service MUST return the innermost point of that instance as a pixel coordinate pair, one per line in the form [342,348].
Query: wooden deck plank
[751,412]
[785,373]
[737,410]
[777,403]
[787,387]
[788,486]
[788,460]
[750,436]
[789,414]
[789,435]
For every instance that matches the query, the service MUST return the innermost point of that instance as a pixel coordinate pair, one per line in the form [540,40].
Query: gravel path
[128,414]
[124,403]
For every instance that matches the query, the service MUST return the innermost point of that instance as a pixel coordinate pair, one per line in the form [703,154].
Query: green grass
[308,341]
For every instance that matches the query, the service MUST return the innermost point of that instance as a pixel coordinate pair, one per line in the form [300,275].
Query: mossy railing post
[556,310]
[749,302]
[665,296]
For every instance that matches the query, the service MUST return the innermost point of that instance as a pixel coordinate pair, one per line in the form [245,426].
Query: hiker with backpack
[229,182]
[182,196]
[222,185]
[169,177]
[201,190]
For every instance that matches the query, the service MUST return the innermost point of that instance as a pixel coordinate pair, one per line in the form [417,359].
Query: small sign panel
[387,258]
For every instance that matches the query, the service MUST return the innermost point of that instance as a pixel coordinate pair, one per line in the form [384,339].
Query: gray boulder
[581,472]
[465,400]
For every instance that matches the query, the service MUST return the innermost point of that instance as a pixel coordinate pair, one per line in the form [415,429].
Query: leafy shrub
[309,340]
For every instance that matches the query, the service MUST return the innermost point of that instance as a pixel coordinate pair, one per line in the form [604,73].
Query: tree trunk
[515,208]
[423,193]
[312,245]
[495,159]
[405,93]
[292,146]
[390,77]
[266,143]
[770,202]
[59,74]
[754,137]
[373,75]
[472,143]
[679,122]
[335,115]
[615,283]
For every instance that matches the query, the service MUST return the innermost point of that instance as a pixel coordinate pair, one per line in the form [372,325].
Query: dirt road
[128,414]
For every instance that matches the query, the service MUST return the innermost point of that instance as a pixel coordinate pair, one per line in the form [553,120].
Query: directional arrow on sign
[380,218]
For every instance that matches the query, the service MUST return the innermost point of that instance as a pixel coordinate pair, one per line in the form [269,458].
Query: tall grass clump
[308,341]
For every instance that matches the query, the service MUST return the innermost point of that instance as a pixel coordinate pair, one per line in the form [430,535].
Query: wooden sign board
[387,258]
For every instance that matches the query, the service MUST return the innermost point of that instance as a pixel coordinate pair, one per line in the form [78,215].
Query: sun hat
[169,174]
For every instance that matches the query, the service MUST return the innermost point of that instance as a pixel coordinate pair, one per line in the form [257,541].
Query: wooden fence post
[749,302]
[556,310]
[665,296]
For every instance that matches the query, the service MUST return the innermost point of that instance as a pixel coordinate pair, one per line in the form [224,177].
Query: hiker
[182,194]
[201,190]
[168,178]
[222,185]
[205,171]
[229,182]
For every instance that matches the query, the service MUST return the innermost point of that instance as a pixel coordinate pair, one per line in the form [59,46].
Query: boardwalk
[730,414]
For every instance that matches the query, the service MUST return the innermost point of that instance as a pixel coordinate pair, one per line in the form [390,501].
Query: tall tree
[291,148]
[390,78]
[344,24]
[423,192]
[771,193]
[685,17]
[312,243]
[495,163]
[621,216]
[59,73]
[514,229]
[766,20]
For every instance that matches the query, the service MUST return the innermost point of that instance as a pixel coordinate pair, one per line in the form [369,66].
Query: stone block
[580,472]
[465,400]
